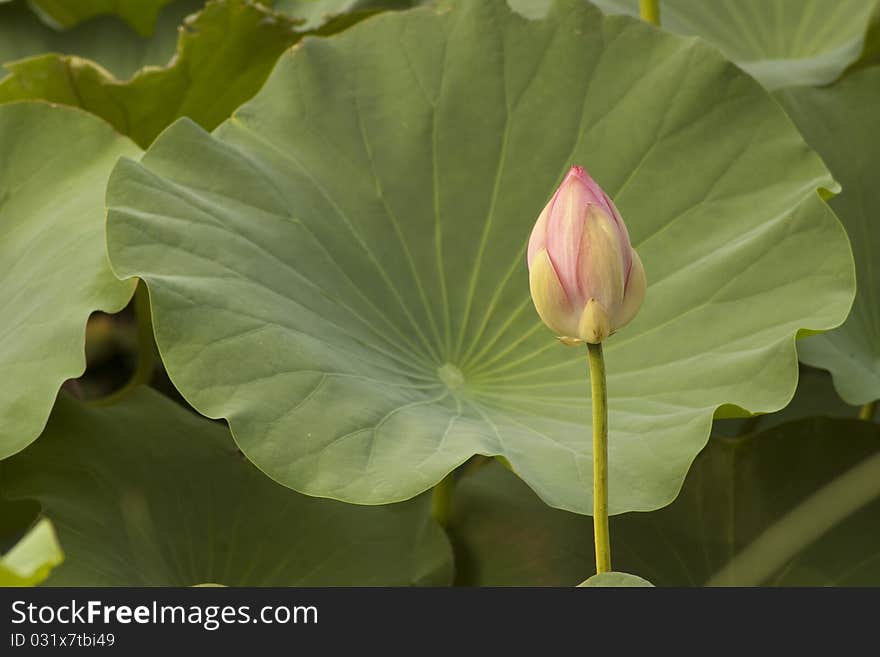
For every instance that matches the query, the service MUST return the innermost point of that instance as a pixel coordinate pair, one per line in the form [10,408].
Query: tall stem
[650,11]
[441,500]
[749,425]
[867,411]
[146,357]
[146,363]
[600,458]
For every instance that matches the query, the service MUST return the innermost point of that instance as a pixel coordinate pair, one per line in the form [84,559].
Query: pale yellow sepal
[548,296]
[594,325]
[634,294]
[602,268]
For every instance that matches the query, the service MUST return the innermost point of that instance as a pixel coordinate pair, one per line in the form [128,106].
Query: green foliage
[796,505]
[223,57]
[332,221]
[167,500]
[842,123]
[140,14]
[815,397]
[315,13]
[53,261]
[104,40]
[380,323]
[782,43]
[224,54]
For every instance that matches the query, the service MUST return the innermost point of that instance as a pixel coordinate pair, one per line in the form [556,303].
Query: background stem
[441,500]
[802,526]
[866,412]
[650,11]
[749,425]
[600,458]
[146,357]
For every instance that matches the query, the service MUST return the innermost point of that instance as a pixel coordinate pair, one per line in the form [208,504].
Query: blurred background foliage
[787,498]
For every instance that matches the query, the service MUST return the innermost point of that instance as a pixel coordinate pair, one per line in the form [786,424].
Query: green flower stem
[146,363]
[600,458]
[866,412]
[441,500]
[650,11]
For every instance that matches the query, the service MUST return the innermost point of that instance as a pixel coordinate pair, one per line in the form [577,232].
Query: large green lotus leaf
[146,493]
[54,165]
[31,560]
[140,14]
[843,124]
[796,505]
[780,42]
[339,269]
[104,40]
[224,55]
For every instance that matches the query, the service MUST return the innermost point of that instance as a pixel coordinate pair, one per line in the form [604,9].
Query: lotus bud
[586,279]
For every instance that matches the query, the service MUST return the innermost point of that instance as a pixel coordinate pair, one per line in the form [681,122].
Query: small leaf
[616,579]
[146,493]
[32,558]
